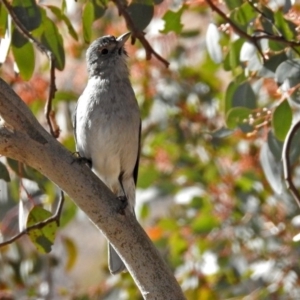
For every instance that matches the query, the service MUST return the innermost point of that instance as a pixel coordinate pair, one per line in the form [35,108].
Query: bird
[107,124]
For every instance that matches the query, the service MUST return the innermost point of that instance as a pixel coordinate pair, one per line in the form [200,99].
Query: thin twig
[23,30]
[136,33]
[287,168]
[55,218]
[254,39]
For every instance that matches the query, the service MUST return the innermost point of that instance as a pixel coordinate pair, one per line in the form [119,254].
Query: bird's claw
[81,160]
[123,204]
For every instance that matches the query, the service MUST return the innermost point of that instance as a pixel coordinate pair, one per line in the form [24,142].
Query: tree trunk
[24,139]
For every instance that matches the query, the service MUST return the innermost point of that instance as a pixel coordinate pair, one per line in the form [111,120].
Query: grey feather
[107,123]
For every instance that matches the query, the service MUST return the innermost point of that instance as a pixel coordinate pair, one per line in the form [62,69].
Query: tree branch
[136,33]
[55,218]
[44,153]
[255,38]
[287,168]
[52,89]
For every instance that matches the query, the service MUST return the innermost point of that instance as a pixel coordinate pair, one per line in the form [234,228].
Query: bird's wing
[74,122]
[136,168]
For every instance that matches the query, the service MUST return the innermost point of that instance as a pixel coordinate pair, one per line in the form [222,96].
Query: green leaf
[87,21]
[65,95]
[3,20]
[28,13]
[229,95]
[236,116]
[177,244]
[141,13]
[168,224]
[286,27]
[43,238]
[144,211]
[270,66]
[68,213]
[173,21]
[282,120]
[61,16]
[204,223]
[4,172]
[52,39]
[63,5]
[23,53]
[147,176]
[72,253]
[232,59]
[244,96]
[243,15]
[231,4]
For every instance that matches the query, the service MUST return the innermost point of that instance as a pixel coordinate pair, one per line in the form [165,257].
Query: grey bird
[107,124]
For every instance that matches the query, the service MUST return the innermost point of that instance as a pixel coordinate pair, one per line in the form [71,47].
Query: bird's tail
[116,264]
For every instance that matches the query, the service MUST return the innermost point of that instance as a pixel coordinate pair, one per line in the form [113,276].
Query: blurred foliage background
[211,194]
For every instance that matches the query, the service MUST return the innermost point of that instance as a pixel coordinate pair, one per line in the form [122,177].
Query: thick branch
[141,258]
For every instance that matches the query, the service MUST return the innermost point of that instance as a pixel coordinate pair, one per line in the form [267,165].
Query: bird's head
[107,54]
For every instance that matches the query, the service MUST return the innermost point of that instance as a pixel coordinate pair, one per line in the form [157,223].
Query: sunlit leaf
[144,211]
[87,21]
[232,59]
[177,244]
[43,238]
[285,27]
[71,251]
[204,223]
[213,43]
[65,95]
[231,4]
[61,16]
[23,54]
[173,21]
[282,120]
[243,15]
[3,20]
[52,39]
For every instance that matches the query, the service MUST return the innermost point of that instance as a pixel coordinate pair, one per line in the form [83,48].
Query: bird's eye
[104,51]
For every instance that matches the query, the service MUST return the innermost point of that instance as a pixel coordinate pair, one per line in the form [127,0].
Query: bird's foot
[81,160]
[123,204]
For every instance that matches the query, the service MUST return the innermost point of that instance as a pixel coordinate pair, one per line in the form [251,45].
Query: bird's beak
[123,38]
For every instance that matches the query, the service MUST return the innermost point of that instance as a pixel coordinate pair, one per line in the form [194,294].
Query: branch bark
[24,139]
